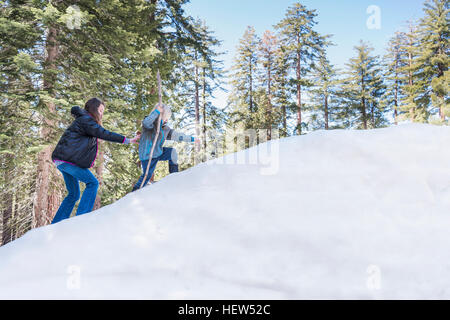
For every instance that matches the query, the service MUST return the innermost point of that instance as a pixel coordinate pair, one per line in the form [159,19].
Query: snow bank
[345,215]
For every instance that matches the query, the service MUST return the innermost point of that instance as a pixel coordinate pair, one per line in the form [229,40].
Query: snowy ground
[340,215]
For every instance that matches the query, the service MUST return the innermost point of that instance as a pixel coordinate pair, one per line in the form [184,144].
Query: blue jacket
[149,127]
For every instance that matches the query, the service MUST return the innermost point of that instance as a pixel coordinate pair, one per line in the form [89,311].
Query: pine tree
[415,102]
[324,79]
[362,90]
[209,72]
[434,55]
[303,46]
[46,172]
[268,47]
[211,77]
[376,102]
[26,79]
[396,60]
[282,90]
[198,73]
[244,81]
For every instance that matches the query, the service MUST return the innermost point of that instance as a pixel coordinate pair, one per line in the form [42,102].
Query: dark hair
[92,107]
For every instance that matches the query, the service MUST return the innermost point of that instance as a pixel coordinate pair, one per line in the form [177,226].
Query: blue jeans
[168,154]
[72,174]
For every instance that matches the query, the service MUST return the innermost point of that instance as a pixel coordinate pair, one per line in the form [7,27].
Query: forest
[56,54]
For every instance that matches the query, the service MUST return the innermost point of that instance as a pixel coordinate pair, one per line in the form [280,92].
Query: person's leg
[73,188]
[144,164]
[171,155]
[90,192]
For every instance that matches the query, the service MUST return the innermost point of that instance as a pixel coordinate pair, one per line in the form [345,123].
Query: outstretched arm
[178,136]
[92,128]
[134,140]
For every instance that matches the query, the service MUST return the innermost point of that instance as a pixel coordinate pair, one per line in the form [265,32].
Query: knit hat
[167,113]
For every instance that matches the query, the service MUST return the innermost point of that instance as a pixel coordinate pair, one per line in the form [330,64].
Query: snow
[340,215]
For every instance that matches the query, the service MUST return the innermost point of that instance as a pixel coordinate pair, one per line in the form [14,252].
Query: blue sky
[346,20]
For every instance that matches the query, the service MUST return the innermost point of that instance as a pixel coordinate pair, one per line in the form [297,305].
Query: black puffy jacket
[78,144]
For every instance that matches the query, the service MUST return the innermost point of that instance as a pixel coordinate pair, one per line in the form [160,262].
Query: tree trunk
[152,15]
[372,114]
[441,69]
[363,104]
[99,173]
[396,104]
[283,108]
[251,86]
[269,98]
[326,111]
[41,214]
[396,95]
[396,87]
[204,110]
[6,216]
[299,92]
[54,194]
[197,102]
[6,201]
[412,111]
[364,115]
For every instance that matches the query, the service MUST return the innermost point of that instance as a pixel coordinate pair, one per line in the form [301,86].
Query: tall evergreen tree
[18,121]
[244,81]
[212,73]
[396,60]
[282,89]
[268,48]
[43,207]
[199,74]
[303,45]
[324,79]
[434,55]
[415,102]
[362,90]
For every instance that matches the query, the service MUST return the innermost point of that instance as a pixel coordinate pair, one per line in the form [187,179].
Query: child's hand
[159,107]
[135,139]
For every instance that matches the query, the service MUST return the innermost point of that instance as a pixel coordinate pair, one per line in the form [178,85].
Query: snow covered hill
[343,215]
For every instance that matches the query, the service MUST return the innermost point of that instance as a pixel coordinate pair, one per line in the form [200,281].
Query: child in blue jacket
[160,153]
